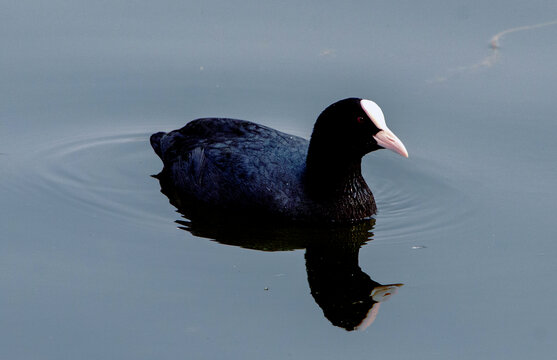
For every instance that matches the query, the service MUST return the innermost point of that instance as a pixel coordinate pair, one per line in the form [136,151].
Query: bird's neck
[330,173]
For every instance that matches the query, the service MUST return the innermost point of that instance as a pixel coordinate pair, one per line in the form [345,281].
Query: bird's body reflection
[348,297]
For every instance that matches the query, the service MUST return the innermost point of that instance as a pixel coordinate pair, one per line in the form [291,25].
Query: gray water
[94,265]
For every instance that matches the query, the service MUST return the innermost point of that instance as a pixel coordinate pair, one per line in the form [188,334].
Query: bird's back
[235,165]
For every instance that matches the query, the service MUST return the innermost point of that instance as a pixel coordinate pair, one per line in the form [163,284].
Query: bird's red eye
[360,120]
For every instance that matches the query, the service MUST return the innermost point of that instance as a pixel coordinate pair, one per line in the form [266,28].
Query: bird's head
[356,126]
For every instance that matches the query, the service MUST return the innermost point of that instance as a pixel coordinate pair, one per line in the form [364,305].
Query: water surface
[96,263]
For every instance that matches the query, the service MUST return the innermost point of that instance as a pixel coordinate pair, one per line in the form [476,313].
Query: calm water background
[93,265]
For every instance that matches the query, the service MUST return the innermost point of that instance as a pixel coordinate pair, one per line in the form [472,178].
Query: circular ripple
[107,173]
[414,199]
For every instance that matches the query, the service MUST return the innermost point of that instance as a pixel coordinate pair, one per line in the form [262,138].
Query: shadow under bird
[219,167]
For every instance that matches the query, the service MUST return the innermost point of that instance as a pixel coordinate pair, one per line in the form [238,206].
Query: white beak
[388,140]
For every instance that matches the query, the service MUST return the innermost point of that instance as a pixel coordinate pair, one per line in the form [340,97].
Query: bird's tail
[156,142]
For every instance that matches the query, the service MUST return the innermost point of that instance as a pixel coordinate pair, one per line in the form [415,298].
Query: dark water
[94,265]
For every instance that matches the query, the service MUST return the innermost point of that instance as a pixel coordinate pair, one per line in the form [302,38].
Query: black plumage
[227,168]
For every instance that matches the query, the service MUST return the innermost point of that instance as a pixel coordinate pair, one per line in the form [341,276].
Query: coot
[228,168]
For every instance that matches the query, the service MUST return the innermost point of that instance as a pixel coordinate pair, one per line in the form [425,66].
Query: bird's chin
[371,147]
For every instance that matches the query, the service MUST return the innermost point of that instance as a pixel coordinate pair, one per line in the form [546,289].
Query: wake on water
[493,57]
